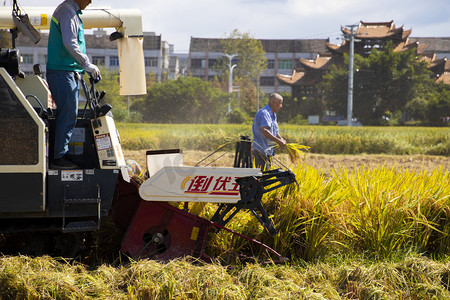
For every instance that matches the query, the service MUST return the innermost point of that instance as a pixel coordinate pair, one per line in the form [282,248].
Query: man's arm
[277,139]
[69,31]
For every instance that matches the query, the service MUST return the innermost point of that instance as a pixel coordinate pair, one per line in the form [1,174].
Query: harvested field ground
[324,162]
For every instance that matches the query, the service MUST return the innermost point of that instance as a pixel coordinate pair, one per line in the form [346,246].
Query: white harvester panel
[195,184]
[107,143]
[23,162]
[35,85]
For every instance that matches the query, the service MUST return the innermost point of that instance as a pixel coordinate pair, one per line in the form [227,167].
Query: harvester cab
[58,209]
[35,198]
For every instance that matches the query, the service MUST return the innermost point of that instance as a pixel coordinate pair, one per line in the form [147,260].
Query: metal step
[82,201]
[80,226]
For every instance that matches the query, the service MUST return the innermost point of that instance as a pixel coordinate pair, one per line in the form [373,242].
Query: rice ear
[295,151]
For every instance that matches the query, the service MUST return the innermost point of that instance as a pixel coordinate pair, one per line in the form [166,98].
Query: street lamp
[350,77]
[230,78]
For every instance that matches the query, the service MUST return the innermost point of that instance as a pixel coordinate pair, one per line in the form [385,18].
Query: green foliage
[5,39]
[184,100]
[123,115]
[251,60]
[438,107]
[384,81]
[236,116]
[110,84]
[321,139]
[250,63]
[299,108]
[247,95]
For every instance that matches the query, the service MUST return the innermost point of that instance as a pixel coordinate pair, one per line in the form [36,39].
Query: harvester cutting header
[55,211]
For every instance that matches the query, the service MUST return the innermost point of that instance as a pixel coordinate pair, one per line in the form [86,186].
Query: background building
[293,65]
[282,58]
[101,51]
[368,35]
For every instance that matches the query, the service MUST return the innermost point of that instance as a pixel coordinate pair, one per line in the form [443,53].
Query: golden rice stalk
[295,151]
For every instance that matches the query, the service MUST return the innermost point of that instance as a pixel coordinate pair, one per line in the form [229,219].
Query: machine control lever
[251,189]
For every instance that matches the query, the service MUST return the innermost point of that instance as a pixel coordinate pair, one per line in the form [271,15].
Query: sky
[179,20]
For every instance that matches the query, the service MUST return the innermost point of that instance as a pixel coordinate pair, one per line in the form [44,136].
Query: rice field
[369,232]
[320,139]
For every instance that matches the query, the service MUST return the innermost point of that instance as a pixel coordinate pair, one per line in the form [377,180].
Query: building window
[270,64]
[285,64]
[27,59]
[113,61]
[267,81]
[212,63]
[42,59]
[98,60]
[151,62]
[197,63]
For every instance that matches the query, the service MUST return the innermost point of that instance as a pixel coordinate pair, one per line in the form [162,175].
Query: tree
[295,108]
[184,100]
[251,58]
[250,63]
[5,39]
[383,82]
[110,84]
[247,95]
[438,106]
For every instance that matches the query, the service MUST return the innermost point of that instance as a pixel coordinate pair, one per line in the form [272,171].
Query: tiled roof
[341,49]
[434,44]
[26,42]
[318,63]
[444,78]
[271,46]
[205,45]
[300,78]
[440,65]
[378,30]
[290,79]
[151,42]
[291,46]
[428,57]
[408,45]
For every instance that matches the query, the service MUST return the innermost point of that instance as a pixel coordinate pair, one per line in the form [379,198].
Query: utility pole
[350,77]
[230,78]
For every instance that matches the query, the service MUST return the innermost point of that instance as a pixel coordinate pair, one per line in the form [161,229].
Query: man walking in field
[265,132]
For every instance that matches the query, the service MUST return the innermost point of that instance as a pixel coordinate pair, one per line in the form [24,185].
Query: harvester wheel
[68,245]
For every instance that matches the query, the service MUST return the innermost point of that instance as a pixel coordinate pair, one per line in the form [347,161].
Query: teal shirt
[66,43]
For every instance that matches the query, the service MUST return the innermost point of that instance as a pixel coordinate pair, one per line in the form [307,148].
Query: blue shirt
[265,117]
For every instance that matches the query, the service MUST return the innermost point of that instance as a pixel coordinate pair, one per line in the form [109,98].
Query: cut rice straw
[295,151]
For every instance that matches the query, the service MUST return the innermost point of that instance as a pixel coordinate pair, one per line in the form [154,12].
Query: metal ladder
[81,226]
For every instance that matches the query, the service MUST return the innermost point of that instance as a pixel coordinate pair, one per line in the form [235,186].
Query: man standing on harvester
[266,133]
[66,62]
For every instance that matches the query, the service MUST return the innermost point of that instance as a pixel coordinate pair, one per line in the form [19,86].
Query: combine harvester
[55,211]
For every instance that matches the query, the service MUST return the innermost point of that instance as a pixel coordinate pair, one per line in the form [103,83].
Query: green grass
[321,139]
